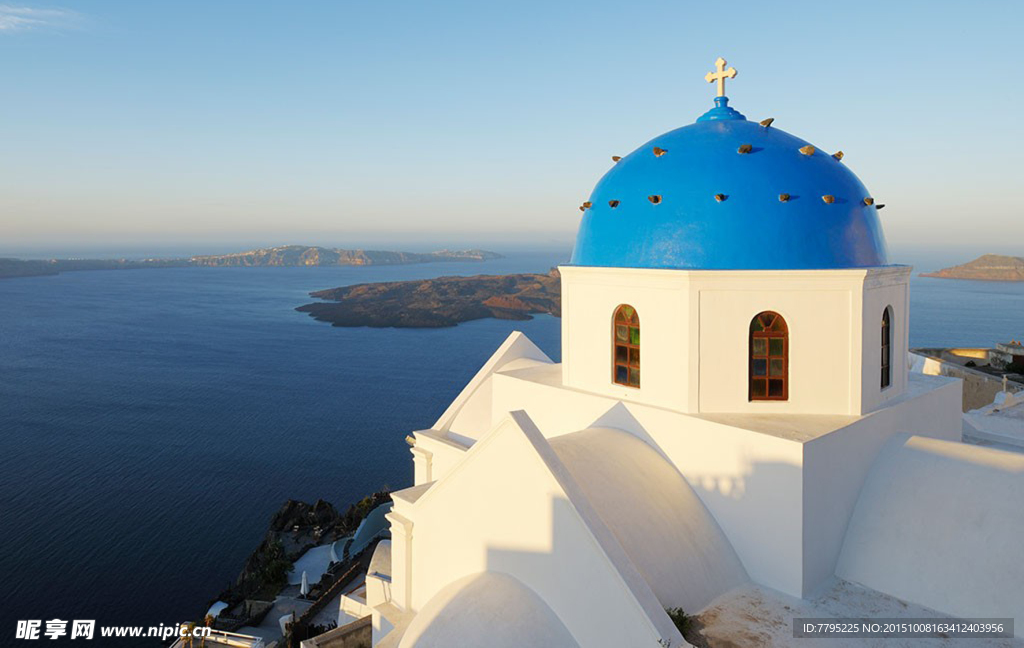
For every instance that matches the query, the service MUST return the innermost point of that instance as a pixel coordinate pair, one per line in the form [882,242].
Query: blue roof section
[750,228]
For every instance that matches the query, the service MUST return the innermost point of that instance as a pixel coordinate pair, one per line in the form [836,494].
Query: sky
[214,126]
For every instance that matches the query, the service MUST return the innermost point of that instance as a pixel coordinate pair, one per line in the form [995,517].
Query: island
[988,267]
[298,255]
[441,302]
[282,256]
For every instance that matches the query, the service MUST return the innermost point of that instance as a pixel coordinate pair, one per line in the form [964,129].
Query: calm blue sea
[152,421]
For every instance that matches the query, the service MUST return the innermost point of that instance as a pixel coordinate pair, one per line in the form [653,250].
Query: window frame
[767,333]
[885,349]
[631,349]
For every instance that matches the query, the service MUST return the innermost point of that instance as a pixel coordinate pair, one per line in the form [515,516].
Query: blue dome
[720,209]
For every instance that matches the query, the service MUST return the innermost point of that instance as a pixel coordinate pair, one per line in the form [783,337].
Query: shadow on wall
[759,486]
[760,511]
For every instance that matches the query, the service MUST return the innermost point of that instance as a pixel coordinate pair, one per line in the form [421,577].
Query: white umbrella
[304,589]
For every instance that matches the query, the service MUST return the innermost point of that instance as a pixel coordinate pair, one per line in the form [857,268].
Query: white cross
[721,75]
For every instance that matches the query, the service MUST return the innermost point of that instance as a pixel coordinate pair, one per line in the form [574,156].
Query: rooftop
[725,193]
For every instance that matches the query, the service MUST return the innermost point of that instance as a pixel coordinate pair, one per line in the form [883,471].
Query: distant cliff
[19,268]
[299,255]
[37,267]
[288,255]
[988,267]
[445,301]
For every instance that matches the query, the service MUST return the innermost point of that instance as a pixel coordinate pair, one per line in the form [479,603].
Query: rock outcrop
[988,267]
[433,303]
[300,255]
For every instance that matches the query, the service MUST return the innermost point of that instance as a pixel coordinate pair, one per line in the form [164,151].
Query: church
[733,409]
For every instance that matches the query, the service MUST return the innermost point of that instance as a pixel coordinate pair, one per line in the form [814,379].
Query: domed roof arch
[726,193]
[490,609]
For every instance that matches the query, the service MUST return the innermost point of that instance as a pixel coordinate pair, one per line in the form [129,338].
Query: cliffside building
[733,409]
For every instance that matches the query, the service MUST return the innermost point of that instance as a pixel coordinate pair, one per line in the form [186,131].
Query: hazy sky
[153,123]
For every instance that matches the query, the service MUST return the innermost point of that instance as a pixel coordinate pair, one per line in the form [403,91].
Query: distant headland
[283,256]
[433,303]
[988,267]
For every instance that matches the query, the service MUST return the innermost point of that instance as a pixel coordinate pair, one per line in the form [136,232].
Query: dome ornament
[720,75]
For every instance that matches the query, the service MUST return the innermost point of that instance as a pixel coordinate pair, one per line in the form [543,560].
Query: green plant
[682,620]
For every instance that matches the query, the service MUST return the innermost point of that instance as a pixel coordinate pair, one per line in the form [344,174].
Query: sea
[152,421]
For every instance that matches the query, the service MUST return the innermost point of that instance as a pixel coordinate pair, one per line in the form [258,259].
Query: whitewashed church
[733,409]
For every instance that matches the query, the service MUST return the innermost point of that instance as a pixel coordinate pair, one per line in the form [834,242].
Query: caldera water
[152,421]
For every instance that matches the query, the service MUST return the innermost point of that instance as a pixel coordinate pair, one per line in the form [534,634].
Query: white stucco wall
[836,465]
[786,525]
[940,523]
[501,509]
[751,482]
[882,288]
[820,345]
[694,331]
[469,416]
[434,455]
[781,487]
[590,297]
[663,526]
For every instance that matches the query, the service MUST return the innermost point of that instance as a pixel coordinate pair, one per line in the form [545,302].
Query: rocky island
[988,267]
[300,255]
[433,303]
[282,256]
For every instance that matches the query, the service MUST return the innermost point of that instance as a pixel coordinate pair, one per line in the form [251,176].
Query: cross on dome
[721,75]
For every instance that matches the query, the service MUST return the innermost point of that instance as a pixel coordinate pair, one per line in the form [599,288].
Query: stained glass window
[886,347]
[626,344]
[769,357]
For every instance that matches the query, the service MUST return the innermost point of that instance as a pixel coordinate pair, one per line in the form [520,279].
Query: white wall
[783,503]
[836,465]
[820,345]
[940,524]
[434,455]
[694,331]
[590,297]
[885,287]
[751,482]
[502,510]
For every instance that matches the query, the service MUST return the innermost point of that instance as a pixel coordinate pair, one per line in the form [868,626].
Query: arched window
[626,347]
[769,357]
[886,347]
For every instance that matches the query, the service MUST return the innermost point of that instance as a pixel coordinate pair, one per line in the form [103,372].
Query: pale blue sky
[128,123]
